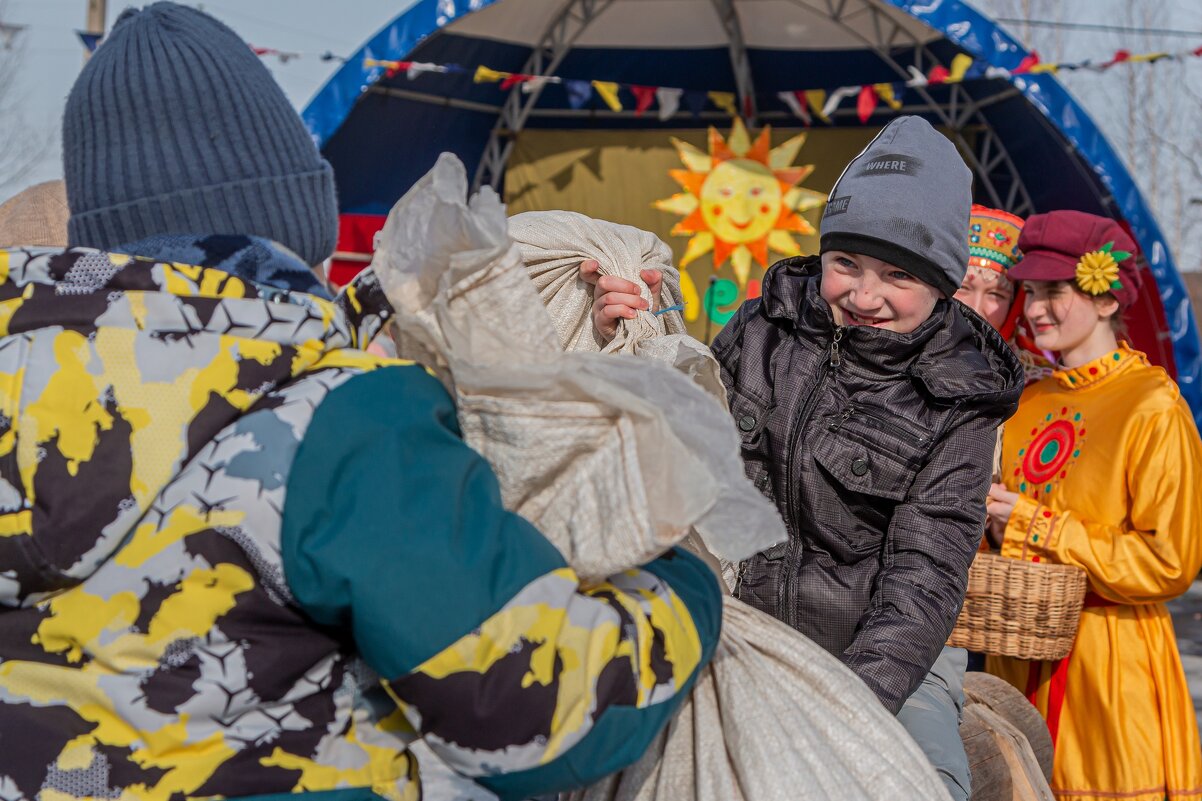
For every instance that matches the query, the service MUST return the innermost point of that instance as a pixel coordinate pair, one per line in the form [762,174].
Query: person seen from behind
[239,556]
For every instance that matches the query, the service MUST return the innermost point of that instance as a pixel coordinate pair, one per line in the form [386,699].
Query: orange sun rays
[741,199]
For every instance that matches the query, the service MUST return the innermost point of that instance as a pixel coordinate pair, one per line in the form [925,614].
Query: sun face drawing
[741,199]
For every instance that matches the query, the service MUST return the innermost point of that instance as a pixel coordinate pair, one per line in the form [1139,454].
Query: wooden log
[1000,696]
[1004,765]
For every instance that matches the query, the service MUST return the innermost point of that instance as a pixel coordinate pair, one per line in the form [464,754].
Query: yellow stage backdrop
[729,197]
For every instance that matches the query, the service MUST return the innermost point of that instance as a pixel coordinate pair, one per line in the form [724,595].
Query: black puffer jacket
[877,449]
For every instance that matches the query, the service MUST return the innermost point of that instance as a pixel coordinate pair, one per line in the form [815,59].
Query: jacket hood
[955,355]
[115,372]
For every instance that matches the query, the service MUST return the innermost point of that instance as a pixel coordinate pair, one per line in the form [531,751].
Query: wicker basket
[1028,610]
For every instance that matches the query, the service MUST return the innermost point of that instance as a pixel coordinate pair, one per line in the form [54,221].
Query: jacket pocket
[751,421]
[871,453]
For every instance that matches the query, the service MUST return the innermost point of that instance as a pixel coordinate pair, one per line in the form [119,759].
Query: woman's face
[987,293]
[1062,319]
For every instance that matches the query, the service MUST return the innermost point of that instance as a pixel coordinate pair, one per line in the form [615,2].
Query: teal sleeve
[518,676]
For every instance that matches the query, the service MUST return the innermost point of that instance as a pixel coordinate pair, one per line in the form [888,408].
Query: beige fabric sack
[615,456]
[775,718]
[553,243]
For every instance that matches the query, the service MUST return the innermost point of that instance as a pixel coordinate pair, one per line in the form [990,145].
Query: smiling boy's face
[862,290]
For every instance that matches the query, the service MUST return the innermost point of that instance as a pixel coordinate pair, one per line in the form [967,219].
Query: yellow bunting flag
[609,93]
[724,101]
[960,65]
[369,63]
[1148,57]
[485,75]
[817,100]
[1042,67]
[885,92]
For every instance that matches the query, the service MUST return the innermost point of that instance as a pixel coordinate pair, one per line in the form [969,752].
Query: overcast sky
[51,54]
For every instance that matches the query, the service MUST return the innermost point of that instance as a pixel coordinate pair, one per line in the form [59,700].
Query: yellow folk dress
[1109,465]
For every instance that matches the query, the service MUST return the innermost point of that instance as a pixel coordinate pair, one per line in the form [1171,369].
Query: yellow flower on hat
[1098,270]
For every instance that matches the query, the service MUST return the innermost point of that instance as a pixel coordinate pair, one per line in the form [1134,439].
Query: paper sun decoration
[741,199]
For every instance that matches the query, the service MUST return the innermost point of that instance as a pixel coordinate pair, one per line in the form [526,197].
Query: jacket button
[859,466]
[746,422]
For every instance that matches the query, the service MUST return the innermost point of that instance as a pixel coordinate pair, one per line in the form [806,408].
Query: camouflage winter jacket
[221,524]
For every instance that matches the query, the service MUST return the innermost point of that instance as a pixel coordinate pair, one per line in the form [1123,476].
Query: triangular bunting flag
[486,75]
[916,77]
[959,68]
[866,103]
[609,93]
[579,93]
[888,93]
[669,101]
[416,68]
[836,97]
[816,98]
[514,80]
[90,40]
[796,101]
[724,101]
[696,102]
[1119,57]
[1026,64]
[644,96]
[536,83]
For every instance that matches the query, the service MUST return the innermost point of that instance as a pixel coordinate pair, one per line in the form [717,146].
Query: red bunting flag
[866,103]
[644,96]
[1026,64]
[1119,57]
[514,80]
[938,74]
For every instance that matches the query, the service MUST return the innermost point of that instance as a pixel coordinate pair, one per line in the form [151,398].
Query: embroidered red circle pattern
[1049,451]
[1052,450]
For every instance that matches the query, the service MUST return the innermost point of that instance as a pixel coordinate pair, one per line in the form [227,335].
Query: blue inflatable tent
[1031,146]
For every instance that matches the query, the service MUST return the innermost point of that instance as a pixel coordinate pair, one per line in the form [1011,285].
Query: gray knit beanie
[905,199]
[175,127]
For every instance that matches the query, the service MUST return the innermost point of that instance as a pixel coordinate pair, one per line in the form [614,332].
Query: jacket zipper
[836,354]
[889,426]
[793,553]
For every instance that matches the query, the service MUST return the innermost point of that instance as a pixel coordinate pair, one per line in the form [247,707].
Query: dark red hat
[1094,252]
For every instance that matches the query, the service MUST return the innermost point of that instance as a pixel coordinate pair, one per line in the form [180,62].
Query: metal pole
[709,307]
[97,17]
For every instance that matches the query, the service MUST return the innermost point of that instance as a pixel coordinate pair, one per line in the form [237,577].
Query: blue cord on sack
[678,307]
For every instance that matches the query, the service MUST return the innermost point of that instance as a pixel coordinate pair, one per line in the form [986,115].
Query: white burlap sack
[775,718]
[554,243]
[614,457]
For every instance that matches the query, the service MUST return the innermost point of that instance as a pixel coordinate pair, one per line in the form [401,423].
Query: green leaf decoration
[1106,248]
[1120,255]
[1116,284]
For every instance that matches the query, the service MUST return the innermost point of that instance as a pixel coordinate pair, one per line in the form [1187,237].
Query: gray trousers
[932,717]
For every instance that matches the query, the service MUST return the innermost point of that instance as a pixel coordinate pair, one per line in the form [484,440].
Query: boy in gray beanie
[179,145]
[868,403]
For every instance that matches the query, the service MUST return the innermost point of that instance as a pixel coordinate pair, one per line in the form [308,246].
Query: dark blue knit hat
[175,127]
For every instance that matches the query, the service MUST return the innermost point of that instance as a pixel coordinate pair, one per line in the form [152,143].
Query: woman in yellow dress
[1103,470]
